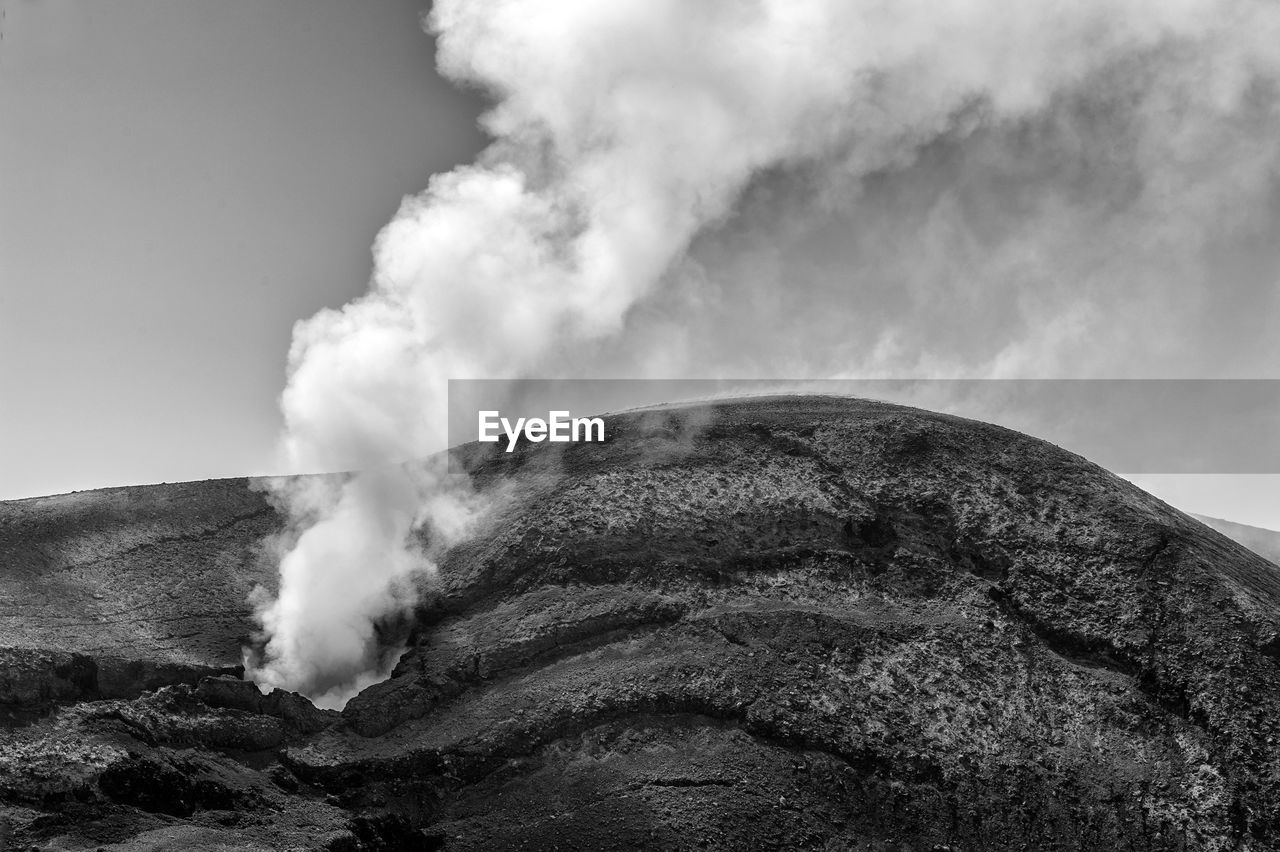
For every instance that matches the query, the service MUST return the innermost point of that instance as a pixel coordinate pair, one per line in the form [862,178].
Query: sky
[183,180]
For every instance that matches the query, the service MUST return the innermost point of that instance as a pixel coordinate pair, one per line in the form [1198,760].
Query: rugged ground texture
[789,623]
[106,594]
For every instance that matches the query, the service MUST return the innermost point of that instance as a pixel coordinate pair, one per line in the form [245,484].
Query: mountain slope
[126,588]
[1264,542]
[784,623]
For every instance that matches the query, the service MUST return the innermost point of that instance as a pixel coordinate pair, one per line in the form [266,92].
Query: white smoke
[664,181]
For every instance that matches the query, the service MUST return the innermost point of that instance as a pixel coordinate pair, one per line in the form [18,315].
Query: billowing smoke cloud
[776,188]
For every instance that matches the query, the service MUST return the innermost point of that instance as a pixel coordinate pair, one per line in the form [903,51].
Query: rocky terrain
[790,623]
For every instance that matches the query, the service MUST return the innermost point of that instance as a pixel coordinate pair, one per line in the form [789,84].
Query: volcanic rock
[789,623]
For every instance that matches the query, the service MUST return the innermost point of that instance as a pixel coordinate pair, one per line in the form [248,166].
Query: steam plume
[803,187]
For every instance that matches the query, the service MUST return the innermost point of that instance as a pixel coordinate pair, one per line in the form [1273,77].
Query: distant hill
[1262,541]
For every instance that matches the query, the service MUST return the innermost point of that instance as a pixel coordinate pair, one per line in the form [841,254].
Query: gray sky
[180,181]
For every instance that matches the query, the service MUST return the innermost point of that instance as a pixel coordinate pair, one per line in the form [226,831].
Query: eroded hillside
[787,623]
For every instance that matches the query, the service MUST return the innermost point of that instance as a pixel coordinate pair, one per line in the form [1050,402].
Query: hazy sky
[180,181]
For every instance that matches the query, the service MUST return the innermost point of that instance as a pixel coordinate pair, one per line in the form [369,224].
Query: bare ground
[793,623]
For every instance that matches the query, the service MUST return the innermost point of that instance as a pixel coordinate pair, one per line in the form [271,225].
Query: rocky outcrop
[794,623]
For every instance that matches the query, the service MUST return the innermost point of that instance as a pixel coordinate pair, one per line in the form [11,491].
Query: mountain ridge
[1261,540]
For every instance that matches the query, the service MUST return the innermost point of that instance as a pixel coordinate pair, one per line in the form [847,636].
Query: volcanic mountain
[785,623]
